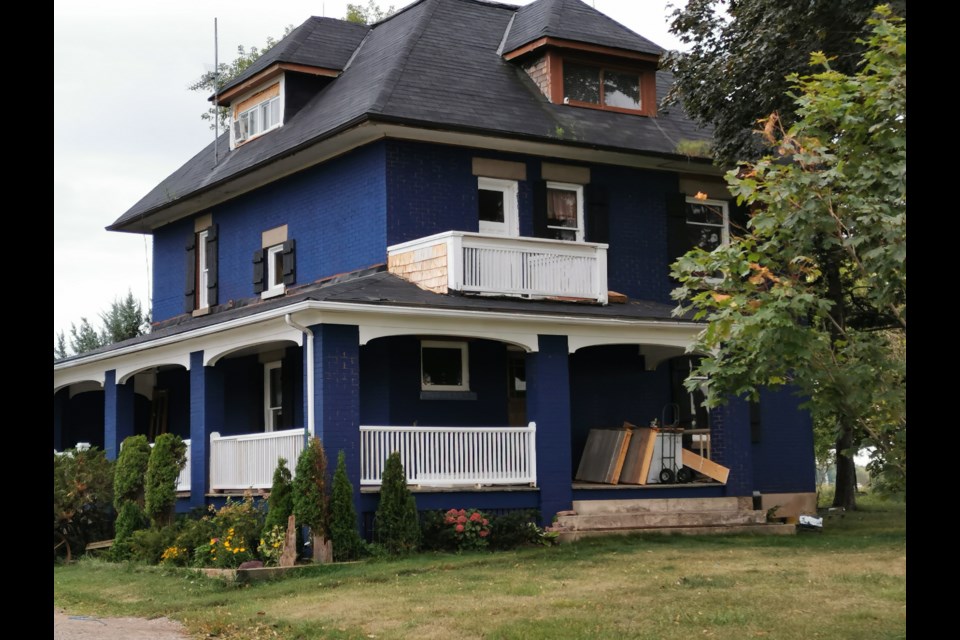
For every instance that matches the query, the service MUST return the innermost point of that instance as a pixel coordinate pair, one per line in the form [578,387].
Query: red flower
[461,518]
[474,517]
[484,533]
[459,528]
[449,520]
[485,522]
[451,512]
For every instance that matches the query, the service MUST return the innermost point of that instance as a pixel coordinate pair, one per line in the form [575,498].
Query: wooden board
[636,466]
[603,455]
[706,467]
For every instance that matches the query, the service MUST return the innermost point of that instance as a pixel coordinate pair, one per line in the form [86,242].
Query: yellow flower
[242,549]
[700,195]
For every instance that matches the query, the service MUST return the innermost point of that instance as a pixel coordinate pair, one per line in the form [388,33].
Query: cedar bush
[310,489]
[166,461]
[280,502]
[130,471]
[396,525]
[347,544]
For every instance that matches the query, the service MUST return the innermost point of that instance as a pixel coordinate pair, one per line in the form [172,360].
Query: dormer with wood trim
[279,83]
[579,57]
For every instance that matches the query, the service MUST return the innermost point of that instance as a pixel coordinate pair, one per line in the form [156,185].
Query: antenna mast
[216,101]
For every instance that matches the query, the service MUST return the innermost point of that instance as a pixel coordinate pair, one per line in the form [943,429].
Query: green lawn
[846,582]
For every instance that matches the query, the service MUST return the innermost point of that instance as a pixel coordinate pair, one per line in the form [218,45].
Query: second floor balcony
[497,265]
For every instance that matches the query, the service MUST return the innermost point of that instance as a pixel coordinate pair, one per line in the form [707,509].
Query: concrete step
[750,529]
[633,520]
[662,505]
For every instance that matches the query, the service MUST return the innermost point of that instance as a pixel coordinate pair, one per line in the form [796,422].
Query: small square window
[444,366]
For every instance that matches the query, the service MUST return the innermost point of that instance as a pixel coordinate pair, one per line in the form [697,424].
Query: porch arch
[211,358]
[526,341]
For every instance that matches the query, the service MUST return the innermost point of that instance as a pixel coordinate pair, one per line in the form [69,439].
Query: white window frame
[578,189]
[510,227]
[269,415]
[272,274]
[257,111]
[464,365]
[203,272]
[724,226]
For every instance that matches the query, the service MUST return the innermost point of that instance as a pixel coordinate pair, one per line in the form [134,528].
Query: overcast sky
[124,119]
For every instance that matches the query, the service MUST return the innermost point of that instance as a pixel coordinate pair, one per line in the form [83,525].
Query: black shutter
[540,209]
[189,288]
[678,239]
[259,270]
[289,262]
[598,214]
[212,263]
[739,216]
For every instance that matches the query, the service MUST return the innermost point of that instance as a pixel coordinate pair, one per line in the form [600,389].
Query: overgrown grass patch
[846,582]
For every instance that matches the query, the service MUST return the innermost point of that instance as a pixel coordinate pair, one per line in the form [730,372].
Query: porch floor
[500,488]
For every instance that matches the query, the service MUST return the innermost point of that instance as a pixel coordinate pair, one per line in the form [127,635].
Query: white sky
[124,119]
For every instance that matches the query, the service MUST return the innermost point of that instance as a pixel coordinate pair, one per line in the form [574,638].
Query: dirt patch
[67,627]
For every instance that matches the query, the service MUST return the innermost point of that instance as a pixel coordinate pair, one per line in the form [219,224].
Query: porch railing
[183,480]
[446,456]
[482,263]
[248,461]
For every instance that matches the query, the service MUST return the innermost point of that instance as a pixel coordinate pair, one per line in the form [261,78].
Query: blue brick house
[446,234]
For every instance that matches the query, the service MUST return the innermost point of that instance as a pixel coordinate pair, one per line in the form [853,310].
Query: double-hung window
[565,211]
[497,206]
[274,268]
[708,223]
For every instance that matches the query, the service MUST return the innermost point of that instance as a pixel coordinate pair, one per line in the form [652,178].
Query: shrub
[130,471]
[310,488]
[517,529]
[128,499]
[149,545]
[280,503]
[470,528]
[271,545]
[396,525]
[82,493]
[347,544]
[166,461]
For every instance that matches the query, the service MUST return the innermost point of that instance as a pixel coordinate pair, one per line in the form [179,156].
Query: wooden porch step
[751,529]
[662,505]
[639,520]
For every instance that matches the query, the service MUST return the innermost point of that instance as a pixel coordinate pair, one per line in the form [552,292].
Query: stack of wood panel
[626,455]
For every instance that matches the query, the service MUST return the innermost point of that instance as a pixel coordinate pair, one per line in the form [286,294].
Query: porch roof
[378,288]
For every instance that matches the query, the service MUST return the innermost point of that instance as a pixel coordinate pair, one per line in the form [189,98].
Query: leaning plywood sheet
[603,455]
[636,466]
[706,467]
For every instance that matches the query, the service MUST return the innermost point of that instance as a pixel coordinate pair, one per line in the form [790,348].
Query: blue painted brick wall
[336,212]
[548,404]
[177,384]
[730,445]
[610,385]
[391,394]
[783,460]
[432,189]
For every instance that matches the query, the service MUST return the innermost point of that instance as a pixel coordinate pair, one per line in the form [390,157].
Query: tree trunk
[846,488]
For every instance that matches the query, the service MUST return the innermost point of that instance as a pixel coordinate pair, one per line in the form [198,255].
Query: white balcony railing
[183,480]
[446,456]
[248,461]
[481,263]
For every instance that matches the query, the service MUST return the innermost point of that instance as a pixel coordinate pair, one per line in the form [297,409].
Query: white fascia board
[375,321]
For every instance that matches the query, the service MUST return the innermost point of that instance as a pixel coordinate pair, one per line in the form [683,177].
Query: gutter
[311,420]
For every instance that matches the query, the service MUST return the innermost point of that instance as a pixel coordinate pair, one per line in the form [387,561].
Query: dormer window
[259,112]
[604,87]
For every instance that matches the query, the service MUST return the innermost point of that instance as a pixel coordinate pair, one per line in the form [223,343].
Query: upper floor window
[602,87]
[200,291]
[497,206]
[708,223]
[565,211]
[257,114]
[274,267]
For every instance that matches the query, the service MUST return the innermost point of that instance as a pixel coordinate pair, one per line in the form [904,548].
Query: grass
[846,582]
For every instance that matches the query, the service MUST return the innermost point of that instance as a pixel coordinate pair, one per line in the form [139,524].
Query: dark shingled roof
[573,20]
[376,287]
[318,42]
[433,65]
